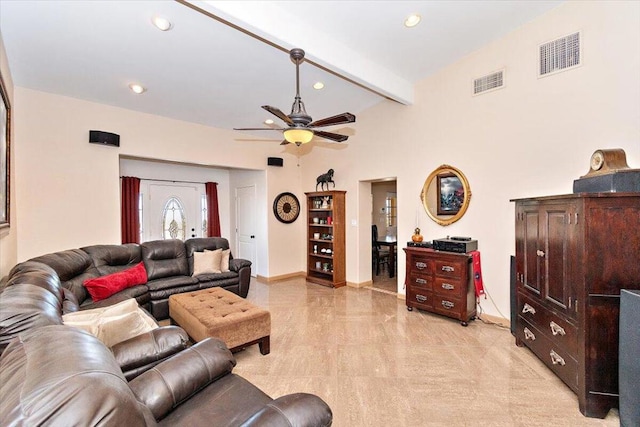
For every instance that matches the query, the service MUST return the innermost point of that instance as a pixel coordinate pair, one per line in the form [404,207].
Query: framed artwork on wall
[5,154]
[450,194]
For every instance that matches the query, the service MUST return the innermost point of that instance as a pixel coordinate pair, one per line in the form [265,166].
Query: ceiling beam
[281,29]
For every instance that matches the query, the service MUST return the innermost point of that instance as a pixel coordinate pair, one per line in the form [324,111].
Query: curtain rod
[169,180]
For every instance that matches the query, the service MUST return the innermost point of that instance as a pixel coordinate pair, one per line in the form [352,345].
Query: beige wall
[8,236]
[69,189]
[532,138]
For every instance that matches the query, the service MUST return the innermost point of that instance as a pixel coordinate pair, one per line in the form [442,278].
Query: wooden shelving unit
[326,238]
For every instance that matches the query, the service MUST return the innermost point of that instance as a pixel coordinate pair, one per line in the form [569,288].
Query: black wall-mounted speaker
[104,138]
[275,161]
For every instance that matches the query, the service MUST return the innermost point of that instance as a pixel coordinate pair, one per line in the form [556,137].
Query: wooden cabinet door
[527,244]
[558,254]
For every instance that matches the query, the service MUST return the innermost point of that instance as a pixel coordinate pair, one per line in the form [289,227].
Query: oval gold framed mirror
[445,195]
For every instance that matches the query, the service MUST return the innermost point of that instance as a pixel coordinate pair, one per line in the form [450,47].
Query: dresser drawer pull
[448,268]
[556,359]
[528,335]
[448,304]
[421,281]
[421,298]
[556,329]
[540,253]
[421,265]
[448,286]
[528,309]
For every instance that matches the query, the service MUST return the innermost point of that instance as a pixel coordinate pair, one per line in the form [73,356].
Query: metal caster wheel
[410,308]
[464,323]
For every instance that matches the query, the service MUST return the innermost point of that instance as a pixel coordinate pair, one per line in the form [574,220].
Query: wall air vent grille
[559,55]
[489,82]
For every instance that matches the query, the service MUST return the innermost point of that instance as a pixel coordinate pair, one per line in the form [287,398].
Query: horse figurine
[325,178]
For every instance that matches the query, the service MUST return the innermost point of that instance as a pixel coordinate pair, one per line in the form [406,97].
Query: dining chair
[379,254]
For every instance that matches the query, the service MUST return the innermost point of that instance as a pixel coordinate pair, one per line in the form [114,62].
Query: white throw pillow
[112,324]
[207,262]
[224,262]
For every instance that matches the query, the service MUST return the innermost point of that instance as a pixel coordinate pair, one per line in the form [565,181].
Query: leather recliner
[60,375]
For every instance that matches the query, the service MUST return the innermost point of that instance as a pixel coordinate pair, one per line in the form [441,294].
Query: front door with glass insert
[172,210]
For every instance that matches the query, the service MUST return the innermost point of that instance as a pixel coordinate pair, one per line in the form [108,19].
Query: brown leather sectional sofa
[169,265]
[55,374]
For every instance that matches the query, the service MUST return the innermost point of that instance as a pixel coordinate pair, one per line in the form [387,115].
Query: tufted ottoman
[215,312]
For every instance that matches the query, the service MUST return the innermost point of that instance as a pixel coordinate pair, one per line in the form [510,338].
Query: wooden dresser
[440,282]
[573,255]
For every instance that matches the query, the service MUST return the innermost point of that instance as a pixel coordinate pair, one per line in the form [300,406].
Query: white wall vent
[560,55]
[489,82]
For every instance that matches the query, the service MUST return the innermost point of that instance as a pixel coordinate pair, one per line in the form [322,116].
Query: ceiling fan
[301,128]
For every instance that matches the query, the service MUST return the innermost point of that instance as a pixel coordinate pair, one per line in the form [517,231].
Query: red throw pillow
[105,286]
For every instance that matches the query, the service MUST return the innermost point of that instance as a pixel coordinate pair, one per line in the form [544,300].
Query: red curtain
[213,215]
[129,214]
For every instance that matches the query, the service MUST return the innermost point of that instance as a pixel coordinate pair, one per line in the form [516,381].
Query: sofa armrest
[236,264]
[139,354]
[298,409]
[169,383]
[243,268]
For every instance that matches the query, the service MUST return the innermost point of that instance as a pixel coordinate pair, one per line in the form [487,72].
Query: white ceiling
[210,72]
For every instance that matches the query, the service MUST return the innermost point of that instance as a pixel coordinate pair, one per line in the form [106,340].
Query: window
[390,209]
[173,220]
[203,210]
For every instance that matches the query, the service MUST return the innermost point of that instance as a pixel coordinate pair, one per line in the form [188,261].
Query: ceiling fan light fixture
[412,20]
[298,136]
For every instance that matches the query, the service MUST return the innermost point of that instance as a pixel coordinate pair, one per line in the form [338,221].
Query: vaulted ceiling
[222,60]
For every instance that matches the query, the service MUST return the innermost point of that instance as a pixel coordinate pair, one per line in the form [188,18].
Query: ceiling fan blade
[258,128]
[330,135]
[285,142]
[334,120]
[279,114]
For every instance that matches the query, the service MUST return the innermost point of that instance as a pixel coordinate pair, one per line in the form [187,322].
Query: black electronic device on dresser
[459,245]
[574,253]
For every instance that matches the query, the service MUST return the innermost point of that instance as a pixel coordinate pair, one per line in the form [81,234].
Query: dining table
[391,242]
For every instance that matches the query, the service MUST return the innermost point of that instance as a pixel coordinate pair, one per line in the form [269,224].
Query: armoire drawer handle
[447,286]
[448,268]
[421,281]
[421,298]
[528,335]
[447,304]
[556,359]
[556,329]
[528,309]
[421,265]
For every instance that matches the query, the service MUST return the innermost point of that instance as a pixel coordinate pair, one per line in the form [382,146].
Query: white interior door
[246,224]
[173,210]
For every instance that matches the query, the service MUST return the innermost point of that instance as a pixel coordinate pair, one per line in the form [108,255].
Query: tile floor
[377,364]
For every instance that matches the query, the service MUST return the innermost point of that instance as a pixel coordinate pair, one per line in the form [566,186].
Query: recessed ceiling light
[412,20]
[136,88]
[318,85]
[163,24]
[268,122]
